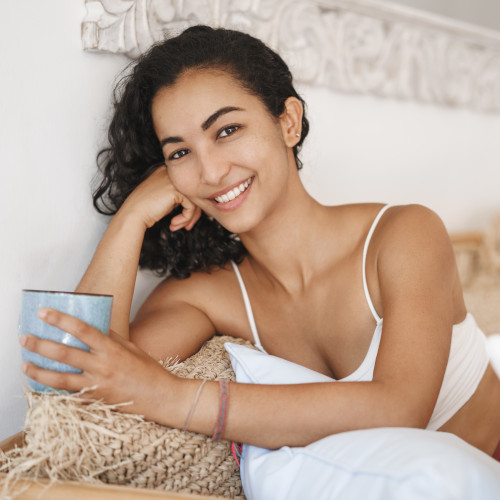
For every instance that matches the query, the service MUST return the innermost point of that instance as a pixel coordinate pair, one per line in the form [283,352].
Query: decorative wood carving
[366,46]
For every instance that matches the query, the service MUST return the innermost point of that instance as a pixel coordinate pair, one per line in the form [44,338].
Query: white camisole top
[467,361]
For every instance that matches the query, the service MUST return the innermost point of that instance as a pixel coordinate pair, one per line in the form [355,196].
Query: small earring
[297,134]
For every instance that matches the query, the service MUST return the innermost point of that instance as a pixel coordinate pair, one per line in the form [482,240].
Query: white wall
[54,102]
[367,149]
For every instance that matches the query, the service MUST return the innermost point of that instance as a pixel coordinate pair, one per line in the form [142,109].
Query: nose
[213,168]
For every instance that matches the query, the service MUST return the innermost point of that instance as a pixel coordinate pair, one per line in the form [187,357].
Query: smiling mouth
[234,193]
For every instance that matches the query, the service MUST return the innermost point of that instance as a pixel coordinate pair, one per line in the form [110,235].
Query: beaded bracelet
[193,406]
[223,405]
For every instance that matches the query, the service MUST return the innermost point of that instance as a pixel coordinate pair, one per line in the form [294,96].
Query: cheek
[183,179]
[269,156]
[259,148]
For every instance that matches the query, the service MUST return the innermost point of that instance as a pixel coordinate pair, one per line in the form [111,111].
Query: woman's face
[222,147]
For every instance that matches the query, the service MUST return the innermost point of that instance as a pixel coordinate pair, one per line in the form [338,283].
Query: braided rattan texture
[70,440]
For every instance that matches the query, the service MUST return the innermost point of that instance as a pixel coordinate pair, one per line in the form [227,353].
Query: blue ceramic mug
[90,308]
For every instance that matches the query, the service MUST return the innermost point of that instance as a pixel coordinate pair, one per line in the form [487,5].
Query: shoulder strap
[365,251]
[248,308]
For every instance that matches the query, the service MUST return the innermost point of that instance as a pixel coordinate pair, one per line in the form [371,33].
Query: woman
[209,122]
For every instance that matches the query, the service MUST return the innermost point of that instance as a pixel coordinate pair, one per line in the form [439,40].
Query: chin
[238,224]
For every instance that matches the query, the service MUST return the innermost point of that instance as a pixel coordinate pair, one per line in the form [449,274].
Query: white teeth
[234,193]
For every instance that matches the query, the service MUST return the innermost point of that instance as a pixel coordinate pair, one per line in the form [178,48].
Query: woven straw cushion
[68,439]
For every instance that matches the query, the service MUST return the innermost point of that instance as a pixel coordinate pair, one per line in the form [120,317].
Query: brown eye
[178,154]
[226,131]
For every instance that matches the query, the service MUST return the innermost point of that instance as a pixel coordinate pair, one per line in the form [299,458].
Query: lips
[233,193]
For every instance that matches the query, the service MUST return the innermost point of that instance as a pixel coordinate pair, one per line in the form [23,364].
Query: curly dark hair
[134,151]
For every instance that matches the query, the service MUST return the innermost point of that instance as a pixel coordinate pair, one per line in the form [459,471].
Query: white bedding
[377,464]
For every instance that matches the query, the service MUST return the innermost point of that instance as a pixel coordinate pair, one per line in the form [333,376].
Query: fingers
[89,335]
[58,380]
[110,368]
[188,218]
[194,218]
[158,181]
[71,356]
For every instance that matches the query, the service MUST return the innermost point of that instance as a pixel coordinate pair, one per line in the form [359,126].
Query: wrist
[174,398]
[177,403]
[130,218]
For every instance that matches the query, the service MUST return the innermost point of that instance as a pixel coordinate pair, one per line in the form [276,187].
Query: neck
[280,247]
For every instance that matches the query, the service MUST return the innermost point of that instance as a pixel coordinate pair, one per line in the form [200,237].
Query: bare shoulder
[413,259]
[413,229]
[402,232]
[356,216]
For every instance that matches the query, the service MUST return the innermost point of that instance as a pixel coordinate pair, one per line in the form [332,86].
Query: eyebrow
[214,116]
[205,125]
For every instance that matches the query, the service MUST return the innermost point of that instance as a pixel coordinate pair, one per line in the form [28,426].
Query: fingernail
[22,340]
[24,367]
[42,313]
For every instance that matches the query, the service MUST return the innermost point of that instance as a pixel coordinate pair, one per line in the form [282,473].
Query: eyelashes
[227,131]
[221,134]
[178,154]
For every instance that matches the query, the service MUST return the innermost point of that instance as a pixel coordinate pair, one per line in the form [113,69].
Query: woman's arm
[113,269]
[413,280]
[420,298]
[413,273]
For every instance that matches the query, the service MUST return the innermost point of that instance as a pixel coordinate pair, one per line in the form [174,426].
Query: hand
[115,370]
[156,197]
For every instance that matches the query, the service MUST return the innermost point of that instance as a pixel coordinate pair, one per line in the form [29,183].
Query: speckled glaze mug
[91,308]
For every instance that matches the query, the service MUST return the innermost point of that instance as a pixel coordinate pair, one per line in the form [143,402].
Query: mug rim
[67,293]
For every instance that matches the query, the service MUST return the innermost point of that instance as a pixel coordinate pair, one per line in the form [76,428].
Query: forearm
[113,268]
[292,415]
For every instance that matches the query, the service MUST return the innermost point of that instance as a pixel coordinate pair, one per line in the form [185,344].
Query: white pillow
[257,367]
[377,464]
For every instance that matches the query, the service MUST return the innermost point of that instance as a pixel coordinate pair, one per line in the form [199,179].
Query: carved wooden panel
[363,46]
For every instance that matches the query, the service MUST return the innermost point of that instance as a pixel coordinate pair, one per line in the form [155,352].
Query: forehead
[198,93]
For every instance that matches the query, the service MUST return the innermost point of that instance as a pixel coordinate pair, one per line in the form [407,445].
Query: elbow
[416,422]
[412,415]
[413,419]
[402,410]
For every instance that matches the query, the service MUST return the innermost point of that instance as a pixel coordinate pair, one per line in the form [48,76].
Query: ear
[291,121]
